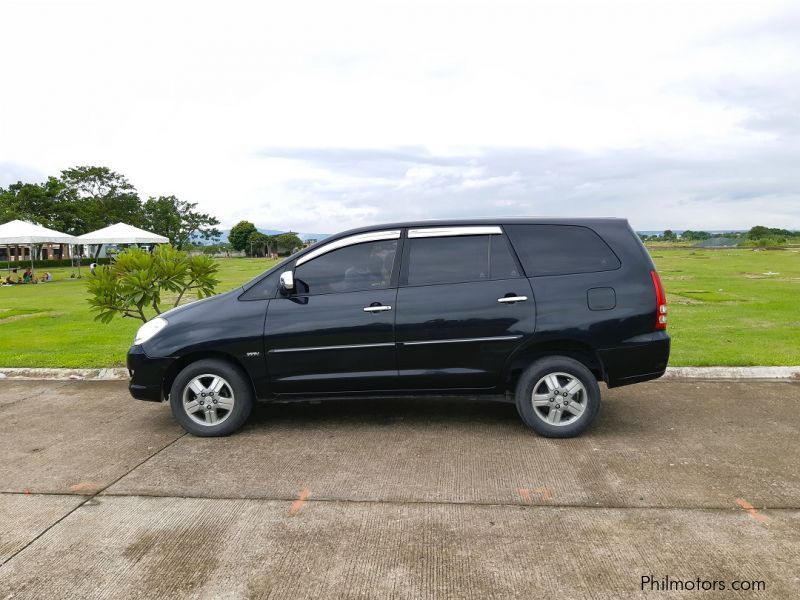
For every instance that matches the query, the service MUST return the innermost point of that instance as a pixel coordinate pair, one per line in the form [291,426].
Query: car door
[462,308]
[335,331]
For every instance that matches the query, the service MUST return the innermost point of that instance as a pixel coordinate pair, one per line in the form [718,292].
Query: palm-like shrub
[137,282]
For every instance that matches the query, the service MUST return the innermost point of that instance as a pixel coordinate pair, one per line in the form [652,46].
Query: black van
[535,310]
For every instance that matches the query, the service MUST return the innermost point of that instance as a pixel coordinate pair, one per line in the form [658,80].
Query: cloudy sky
[319,116]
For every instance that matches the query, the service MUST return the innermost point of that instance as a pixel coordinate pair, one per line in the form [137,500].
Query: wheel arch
[192,357]
[527,355]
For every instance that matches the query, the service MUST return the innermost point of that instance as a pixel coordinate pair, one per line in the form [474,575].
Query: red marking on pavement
[84,486]
[751,510]
[544,493]
[26,491]
[298,504]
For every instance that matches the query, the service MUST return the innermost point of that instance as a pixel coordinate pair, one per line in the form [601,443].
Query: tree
[257,243]
[695,235]
[759,232]
[288,242]
[240,234]
[669,235]
[103,197]
[48,204]
[137,281]
[177,220]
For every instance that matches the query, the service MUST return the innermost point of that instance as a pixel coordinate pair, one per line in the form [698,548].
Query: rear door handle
[510,299]
[379,308]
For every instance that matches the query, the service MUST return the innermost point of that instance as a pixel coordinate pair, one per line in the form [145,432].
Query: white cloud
[692,103]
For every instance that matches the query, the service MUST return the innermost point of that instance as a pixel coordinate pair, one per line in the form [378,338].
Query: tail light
[661,301]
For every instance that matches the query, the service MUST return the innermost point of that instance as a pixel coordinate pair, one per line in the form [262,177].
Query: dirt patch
[770,277]
[717,297]
[678,299]
[9,315]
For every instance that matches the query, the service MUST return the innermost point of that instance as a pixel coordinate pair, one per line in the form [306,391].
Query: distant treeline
[757,236]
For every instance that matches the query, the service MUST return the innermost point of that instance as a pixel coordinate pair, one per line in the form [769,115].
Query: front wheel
[211,398]
[558,397]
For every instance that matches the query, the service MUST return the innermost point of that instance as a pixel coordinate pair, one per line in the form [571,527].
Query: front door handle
[379,308]
[510,299]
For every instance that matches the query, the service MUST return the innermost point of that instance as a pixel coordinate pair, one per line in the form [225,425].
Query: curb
[791,373]
[778,373]
[61,374]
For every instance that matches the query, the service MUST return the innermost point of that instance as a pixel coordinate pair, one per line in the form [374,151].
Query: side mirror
[287,281]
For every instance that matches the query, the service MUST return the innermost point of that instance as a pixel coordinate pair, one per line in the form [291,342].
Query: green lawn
[732,307]
[724,310]
[50,325]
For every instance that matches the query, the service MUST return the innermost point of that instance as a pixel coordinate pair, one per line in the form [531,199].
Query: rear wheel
[558,397]
[211,397]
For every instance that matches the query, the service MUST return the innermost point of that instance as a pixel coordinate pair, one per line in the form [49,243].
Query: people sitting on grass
[27,277]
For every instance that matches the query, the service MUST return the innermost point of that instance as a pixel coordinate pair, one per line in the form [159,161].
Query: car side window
[365,266]
[459,259]
[264,289]
[501,264]
[561,249]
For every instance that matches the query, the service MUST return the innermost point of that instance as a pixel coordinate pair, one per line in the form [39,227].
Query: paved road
[104,496]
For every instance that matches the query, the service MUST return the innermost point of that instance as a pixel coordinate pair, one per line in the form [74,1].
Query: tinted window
[360,267]
[266,288]
[459,258]
[560,249]
[501,263]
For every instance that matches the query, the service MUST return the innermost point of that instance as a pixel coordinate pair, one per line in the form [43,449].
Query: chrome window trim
[428,232]
[499,338]
[342,347]
[372,236]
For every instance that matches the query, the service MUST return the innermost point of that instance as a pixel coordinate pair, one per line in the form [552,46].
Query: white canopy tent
[120,233]
[23,233]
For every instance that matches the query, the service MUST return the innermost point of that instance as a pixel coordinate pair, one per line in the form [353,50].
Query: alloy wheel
[559,399]
[208,399]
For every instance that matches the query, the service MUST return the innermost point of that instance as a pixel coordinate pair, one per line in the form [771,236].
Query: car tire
[543,405]
[211,398]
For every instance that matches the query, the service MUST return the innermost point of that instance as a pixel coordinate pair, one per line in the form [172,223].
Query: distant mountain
[303,236]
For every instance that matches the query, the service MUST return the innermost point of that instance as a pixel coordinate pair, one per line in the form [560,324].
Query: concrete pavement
[104,496]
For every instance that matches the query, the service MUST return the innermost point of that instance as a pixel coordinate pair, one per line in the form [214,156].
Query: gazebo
[120,233]
[23,233]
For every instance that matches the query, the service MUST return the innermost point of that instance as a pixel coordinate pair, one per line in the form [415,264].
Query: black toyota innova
[533,310]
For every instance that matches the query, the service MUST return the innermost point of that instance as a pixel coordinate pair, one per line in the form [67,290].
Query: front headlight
[149,329]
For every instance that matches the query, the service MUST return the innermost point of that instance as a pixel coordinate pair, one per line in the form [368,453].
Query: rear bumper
[147,374]
[640,359]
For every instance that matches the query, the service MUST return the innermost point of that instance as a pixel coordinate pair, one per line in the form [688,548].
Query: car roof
[585,221]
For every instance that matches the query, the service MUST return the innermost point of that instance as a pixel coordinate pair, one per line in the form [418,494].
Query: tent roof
[23,232]
[120,233]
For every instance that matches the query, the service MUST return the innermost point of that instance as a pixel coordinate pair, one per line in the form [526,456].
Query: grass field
[50,325]
[727,307]
[732,307]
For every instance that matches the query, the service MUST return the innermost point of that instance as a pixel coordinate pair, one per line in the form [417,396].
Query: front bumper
[640,359]
[147,374]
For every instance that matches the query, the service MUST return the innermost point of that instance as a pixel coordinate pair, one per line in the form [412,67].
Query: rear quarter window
[560,249]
